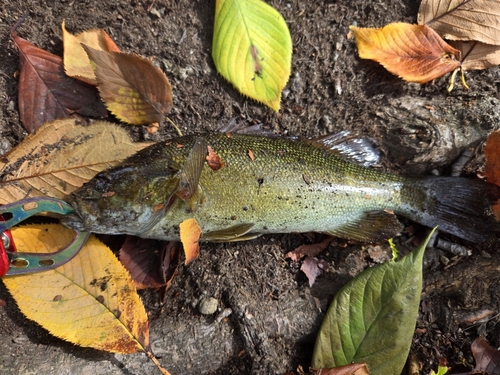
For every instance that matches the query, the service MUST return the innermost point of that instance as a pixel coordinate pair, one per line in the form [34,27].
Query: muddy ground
[267,315]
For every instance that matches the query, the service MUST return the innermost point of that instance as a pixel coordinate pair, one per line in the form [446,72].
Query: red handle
[6,239]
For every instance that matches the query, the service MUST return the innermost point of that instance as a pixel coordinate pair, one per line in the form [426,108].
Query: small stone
[208,305]
[20,339]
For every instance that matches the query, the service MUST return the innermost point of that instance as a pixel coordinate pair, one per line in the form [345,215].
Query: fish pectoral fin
[373,226]
[235,233]
[196,199]
[190,173]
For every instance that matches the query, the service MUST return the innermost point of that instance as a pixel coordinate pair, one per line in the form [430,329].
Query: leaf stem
[157,364]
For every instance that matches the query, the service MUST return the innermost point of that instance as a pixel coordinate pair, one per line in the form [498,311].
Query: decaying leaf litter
[307,111]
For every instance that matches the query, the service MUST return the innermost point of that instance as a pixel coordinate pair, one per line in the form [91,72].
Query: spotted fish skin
[271,185]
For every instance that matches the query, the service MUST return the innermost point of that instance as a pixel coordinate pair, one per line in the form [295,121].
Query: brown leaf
[190,233]
[76,60]
[462,19]
[46,92]
[213,160]
[310,250]
[151,263]
[492,165]
[413,52]
[487,358]
[132,88]
[492,152]
[477,55]
[312,267]
[60,157]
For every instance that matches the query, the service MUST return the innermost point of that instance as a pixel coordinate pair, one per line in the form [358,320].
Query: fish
[238,187]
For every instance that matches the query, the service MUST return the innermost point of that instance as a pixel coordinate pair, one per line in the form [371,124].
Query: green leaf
[442,370]
[372,318]
[252,49]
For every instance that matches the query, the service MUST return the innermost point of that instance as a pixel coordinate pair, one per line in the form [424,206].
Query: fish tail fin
[460,206]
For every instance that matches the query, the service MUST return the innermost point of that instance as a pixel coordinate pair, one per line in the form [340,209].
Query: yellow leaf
[90,301]
[76,61]
[413,52]
[252,49]
[190,233]
[132,88]
[60,157]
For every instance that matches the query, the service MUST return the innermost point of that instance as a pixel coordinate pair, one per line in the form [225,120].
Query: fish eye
[103,182]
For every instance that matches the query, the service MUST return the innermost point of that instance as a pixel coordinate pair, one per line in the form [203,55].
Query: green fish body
[238,187]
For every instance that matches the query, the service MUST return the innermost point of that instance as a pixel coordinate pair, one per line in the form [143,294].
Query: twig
[175,127]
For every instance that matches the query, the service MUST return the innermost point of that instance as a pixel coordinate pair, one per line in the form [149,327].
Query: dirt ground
[267,315]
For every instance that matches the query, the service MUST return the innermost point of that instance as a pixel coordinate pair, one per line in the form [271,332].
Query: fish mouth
[81,219]
[73,221]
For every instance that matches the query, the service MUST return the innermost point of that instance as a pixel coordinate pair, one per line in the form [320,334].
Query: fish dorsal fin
[362,151]
[189,190]
[235,233]
[373,226]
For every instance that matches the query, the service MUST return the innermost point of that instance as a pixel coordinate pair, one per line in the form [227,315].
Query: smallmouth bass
[258,185]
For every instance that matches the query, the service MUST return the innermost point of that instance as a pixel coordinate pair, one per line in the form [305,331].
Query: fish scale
[271,185]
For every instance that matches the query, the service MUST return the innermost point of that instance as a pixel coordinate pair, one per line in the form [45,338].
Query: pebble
[208,305]
[20,339]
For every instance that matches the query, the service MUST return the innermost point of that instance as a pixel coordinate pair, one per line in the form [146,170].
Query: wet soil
[267,314]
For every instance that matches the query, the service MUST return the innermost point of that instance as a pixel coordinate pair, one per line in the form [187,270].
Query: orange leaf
[415,53]
[213,160]
[46,93]
[132,88]
[251,155]
[76,61]
[310,250]
[190,233]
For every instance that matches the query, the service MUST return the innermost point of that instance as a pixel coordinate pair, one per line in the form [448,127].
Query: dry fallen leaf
[90,301]
[46,93]
[251,155]
[151,263]
[310,250]
[476,55]
[492,152]
[76,60]
[132,88]
[213,160]
[60,157]
[462,19]
[492,165]
[415,53]
[487,358]
[190,233]
[312,268]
